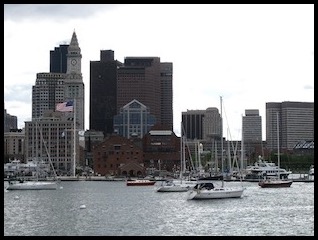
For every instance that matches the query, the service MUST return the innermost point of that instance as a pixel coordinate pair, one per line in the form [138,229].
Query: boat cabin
[207,186]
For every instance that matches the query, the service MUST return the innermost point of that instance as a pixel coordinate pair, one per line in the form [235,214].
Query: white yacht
[263,168]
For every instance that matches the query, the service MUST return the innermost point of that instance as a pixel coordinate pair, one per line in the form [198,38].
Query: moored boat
[171,186]
[31,185]
[275,183]
[263,168]
[139,182]
[207,190]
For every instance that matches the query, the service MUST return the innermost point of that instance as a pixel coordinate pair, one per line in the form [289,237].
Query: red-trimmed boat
[275,183]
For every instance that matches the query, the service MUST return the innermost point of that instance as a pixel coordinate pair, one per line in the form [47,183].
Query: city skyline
[249,61]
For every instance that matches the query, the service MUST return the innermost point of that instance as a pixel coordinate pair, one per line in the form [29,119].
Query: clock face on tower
[73,62]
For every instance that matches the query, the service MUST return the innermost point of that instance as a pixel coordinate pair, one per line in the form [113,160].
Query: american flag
[65,106]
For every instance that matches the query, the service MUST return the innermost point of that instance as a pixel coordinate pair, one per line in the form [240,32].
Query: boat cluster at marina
[31,168]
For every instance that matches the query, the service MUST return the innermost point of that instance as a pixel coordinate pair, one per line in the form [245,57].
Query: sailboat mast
[229,172]
[278,153]
[48,154]
[36,142]
[216,167]
[74,137]
[221,141]
[37,148]
[181,155]
[242,148]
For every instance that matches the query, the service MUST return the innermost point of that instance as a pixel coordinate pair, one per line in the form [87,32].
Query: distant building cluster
[131,119]
[10,122]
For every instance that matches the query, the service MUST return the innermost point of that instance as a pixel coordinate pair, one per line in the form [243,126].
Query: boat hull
[175,188]
[211,178]
[275,184]
[29,185]
[140,183]
[215,193]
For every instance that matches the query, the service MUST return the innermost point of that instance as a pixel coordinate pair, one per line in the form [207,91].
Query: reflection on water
[113,209]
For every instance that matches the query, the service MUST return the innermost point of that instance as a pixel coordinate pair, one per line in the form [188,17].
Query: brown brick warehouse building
[119,156]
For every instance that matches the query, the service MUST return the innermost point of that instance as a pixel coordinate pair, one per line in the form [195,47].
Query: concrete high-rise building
[10,121]
[149,81]
[212,124]
[139,79]
[49,87]
[192,124]
[103,92]
[203,128]
[51,136]
[296,123]
[252,133]
[57,87]
[252,126]
[166,80]
[114,84]
[55,129]
[14,144]
[47,92]
[58,59]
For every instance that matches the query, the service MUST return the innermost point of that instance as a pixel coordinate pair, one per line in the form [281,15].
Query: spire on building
[74,42]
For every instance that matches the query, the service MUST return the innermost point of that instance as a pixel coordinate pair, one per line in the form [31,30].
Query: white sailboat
[207,190]
[31,185]
[276,182]
[34,184]
[180,185]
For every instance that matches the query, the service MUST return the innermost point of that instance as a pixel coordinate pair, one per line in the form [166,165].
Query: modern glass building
[134,120]
[58,59]
[103,92]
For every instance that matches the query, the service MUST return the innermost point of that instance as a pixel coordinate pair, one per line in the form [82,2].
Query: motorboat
[139,182]
[275,183]
[263,168]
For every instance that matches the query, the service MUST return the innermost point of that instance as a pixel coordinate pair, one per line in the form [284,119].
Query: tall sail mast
[74,137]
[278,153]
[221,141]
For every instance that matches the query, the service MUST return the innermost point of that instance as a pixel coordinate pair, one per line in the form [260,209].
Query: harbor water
[110,208]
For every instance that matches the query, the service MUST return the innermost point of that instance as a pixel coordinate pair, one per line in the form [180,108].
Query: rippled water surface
[113,209]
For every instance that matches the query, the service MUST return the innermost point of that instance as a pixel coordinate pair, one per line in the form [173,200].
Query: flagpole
[74,137]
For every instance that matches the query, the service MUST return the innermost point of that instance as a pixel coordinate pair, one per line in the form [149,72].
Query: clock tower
[73,83]
[74,56]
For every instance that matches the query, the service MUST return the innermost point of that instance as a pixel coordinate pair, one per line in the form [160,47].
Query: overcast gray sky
[249,54]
